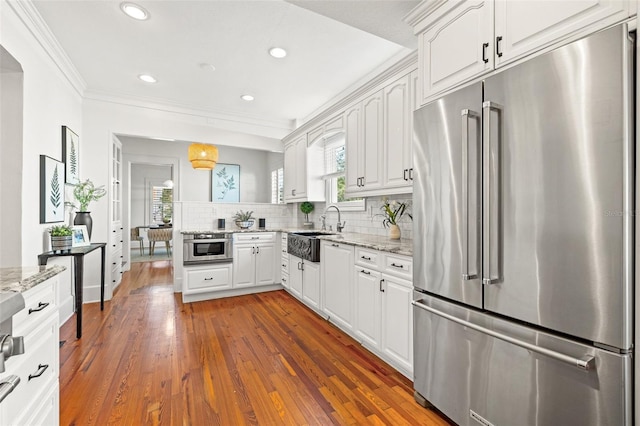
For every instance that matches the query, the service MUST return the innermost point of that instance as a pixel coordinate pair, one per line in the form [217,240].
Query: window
[161,204]
[277,186]
[335,163]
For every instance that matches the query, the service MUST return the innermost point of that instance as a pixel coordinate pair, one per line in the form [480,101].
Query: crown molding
[424,9]
[31,18]
[404,66]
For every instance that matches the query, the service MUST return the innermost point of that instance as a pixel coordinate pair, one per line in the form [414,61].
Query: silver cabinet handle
[7,386]
[492,187]
[587,362]
[469,190]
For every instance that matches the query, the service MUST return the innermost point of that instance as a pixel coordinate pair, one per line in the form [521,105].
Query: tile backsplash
[198,215]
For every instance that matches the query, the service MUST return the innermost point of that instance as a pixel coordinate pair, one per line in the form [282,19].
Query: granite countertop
[21,279]
[375,242]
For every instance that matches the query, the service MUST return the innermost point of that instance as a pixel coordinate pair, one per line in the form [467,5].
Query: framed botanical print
[71,156]
[51,190]
[225,183]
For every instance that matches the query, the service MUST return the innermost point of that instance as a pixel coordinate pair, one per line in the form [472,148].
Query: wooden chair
[160,234]
[135,236]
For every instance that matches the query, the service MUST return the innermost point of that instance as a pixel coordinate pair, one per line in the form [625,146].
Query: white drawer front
[401,266]
[248,237]
[40,302]
[285,280]
[212,279]
[368,258]
[37,369]
[285,264]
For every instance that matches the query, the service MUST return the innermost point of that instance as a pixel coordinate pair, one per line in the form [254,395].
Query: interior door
[446,196]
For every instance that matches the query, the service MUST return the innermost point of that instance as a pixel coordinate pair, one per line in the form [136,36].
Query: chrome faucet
[339,225]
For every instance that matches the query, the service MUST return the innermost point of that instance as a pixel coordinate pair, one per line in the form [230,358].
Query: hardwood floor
[260,359]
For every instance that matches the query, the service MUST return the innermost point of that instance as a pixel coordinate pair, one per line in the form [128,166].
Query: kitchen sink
[305,245]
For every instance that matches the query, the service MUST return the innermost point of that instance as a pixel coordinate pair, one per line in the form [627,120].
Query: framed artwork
[80,236]
[225,183]
[71,156]
[51,190]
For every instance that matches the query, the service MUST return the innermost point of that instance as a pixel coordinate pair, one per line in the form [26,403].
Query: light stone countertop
[403,246]
[20,279]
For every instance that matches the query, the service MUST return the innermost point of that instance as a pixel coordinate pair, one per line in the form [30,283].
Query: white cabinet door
[337,283]
[397,133]
[355,162]
[295,276]
[265,263]
[526,26]
[311,284]
[372,135]
[457,48]
[290,162]
[367,323]
[244,266]
[301,168]
[397,321]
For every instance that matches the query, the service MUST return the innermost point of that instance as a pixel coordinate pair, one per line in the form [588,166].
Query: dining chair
[135,236]
[160,234]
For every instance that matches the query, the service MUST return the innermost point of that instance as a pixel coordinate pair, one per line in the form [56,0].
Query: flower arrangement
[392,211]
[86,192]
[60,231]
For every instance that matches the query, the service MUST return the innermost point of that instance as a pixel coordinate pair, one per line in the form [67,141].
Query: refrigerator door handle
[587,362]
[466,185]
[492,217]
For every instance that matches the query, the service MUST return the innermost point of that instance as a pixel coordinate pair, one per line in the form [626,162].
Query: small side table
[78,272]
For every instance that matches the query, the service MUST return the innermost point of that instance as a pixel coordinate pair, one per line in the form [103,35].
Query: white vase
[394,232]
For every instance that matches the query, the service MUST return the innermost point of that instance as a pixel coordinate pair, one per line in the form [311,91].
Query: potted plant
[244,220]
[306,208]
[61,238]
[392,211]
[84,193]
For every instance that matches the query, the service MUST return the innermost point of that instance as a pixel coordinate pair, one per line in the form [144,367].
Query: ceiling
[331,45]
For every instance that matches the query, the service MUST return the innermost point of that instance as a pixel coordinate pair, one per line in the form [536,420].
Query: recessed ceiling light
[247,98]
[134,11]
[147,78]
[277,52]
[206,66]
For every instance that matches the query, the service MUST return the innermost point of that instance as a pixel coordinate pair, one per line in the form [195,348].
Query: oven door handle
[221,240]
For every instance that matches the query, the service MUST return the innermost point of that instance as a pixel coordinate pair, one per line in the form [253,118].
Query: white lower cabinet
[254,257]
[337,283]
[304,281]
[396,320]
[367,303]
[207,278]
[38,367]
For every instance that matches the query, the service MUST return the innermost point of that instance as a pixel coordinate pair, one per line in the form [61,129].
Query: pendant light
[203,156]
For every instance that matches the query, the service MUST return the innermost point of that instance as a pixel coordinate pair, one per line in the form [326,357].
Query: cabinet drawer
[116,237]
[368,258]
[251,237]
[39,303]
[285,279]
[208,279]
[48,413]
[285,264]
[37,369]
[400,266]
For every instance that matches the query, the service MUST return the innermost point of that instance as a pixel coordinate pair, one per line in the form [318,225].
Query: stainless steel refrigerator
[523,241]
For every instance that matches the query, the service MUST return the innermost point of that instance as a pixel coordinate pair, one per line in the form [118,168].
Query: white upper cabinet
[523,27]
[353,145]
[460,41]
[397,132]
[303,168]
[457,47]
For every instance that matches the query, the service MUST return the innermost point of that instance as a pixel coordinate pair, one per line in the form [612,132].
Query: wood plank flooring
[262,359]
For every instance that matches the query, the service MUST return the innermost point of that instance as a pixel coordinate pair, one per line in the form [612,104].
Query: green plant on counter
[243,217]
[306,208]
[392,212]
[60,231]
